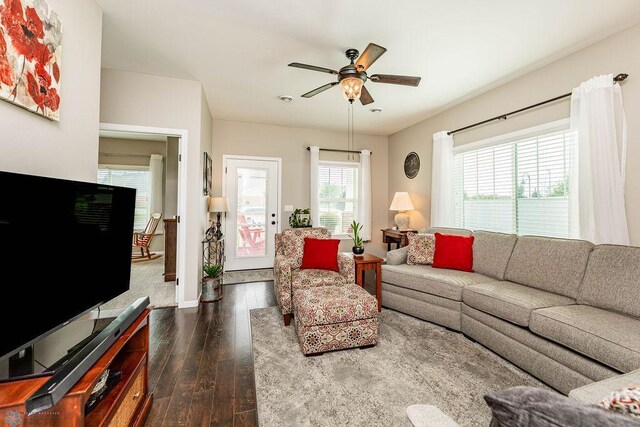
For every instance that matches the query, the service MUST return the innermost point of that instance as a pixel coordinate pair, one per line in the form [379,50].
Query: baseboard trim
[189,304]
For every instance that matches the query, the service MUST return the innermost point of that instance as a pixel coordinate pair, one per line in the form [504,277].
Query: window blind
[516,187]
[139,179]
[338,188]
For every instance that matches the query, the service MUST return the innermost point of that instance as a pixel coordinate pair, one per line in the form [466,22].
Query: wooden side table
[399,237]
[366,262]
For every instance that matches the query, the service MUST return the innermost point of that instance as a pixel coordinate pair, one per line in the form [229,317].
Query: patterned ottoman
[335,317]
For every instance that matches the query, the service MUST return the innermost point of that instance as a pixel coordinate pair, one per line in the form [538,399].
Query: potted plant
[212,282]
[300,218]
[358,243]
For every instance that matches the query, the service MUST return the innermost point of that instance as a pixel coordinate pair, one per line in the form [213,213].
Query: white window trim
[512,137]
[123,167]
[344,163]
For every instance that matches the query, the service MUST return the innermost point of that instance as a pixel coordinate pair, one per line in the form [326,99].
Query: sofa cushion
[453,252]
[424,278]
[554,265]
[421,249]
[304,279]
[612,279]
[593,393]
[320,254]
[510,301]
[334,304]
[608,337]
[491,252]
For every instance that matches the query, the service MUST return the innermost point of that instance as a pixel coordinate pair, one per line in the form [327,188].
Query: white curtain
[597,190]
[365,194]
[156,203]
[314,180]
[442,181]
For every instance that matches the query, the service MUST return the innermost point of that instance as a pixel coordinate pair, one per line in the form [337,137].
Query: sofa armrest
[282,267]
[397,256]
[347,267]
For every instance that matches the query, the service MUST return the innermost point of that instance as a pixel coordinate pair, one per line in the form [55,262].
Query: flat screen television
[65,248]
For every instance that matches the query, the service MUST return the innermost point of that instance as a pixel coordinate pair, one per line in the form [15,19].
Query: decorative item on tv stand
[402,203]
[358,243]
[300,218]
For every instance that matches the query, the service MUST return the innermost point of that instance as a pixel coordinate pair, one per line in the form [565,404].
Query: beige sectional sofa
[566,311]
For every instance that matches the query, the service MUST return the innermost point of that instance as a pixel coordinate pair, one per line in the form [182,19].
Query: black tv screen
[65,248]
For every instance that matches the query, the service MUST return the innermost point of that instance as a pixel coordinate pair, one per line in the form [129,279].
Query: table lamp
[402,203]
[218,205]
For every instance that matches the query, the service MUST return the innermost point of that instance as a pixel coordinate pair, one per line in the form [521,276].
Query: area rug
[247,276]
[146,280]
[414,362]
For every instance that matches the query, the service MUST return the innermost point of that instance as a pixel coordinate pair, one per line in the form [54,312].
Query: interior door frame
[278,160]
[183,185]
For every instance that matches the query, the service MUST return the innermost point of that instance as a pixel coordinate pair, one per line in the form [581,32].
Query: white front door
[251,187]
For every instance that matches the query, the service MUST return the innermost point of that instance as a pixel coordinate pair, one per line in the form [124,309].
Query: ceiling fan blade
[365,96]
[319,90]
[312,68]
[395,80]
[369,56]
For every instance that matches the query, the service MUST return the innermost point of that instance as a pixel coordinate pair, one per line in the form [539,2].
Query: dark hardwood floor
[200,361]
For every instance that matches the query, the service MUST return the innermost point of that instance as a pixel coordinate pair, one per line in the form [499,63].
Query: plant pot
[358,250]
[211,289]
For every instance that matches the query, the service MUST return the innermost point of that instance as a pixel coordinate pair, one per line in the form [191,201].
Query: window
[516,184]
[131,177]
[338,182]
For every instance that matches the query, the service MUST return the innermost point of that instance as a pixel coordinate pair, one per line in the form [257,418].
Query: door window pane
[252,214]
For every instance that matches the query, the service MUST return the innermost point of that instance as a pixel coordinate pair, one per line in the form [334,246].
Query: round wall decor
[411,165]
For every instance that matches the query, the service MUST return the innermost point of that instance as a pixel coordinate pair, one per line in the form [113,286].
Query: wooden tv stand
[126,404]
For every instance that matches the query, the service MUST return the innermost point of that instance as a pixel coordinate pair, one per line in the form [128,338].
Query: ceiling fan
[353,76]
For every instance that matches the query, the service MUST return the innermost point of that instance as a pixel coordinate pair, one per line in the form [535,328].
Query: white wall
[617,54]
[290,144]
[67,149]
[154,101]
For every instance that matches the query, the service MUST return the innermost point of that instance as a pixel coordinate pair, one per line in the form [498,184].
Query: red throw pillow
[320,254]
[453,252]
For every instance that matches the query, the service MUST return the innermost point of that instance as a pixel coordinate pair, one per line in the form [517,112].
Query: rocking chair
[143,240]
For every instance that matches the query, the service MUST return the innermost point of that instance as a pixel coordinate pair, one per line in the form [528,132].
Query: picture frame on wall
[206,175]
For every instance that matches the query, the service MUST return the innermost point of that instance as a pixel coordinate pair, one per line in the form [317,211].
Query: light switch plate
[288,208]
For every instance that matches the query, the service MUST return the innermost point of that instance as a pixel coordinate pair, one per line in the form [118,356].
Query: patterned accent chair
[286,269]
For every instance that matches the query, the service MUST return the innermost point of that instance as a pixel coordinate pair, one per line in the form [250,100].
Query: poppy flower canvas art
[30,55]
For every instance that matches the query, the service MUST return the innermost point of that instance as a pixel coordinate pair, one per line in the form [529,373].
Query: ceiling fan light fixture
[352,88]
[286,98]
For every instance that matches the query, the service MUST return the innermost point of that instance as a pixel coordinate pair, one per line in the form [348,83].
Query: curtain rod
[335,150]
[619,78]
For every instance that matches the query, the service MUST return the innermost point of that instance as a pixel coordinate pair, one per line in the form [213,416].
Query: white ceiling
[239,50]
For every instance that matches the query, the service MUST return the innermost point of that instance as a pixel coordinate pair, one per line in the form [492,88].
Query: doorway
[121,145]
[252,187]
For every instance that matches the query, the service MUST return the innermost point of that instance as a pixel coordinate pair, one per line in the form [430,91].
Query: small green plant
[212,270]
[300,218]
[356,227]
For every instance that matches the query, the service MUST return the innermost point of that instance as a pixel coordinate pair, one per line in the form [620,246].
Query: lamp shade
[218,204]
[401,202]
